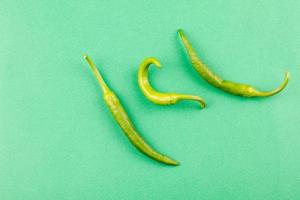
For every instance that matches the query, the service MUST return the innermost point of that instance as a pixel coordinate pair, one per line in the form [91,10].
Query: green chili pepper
[124,121]
[228,86]
[155,96]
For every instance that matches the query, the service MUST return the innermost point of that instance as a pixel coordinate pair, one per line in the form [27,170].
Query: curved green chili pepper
[155,96]
[124,121]
[228,86]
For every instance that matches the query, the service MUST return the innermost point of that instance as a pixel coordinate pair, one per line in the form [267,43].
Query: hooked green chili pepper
[228,86]
[124,121]
[158,97]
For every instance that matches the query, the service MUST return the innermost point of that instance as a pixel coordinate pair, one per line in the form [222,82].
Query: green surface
[59,141]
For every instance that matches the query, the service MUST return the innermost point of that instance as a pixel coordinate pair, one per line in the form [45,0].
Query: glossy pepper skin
[124,121]
[228,86]
[158,97]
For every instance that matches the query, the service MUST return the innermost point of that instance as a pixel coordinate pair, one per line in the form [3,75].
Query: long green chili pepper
[124,121]
[228,86]
[158,97]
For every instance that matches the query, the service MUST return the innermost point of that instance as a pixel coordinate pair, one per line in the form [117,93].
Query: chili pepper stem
[97,74]
[278,89]
[195,98]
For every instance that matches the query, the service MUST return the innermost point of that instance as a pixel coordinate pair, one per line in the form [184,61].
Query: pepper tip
[287,74]
[202,104]
[180,31]
[85,56]
[154,61]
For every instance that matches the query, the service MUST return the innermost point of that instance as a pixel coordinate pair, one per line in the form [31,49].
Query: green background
[58,140]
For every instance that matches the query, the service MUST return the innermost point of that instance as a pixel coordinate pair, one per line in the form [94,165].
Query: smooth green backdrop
[58,140]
